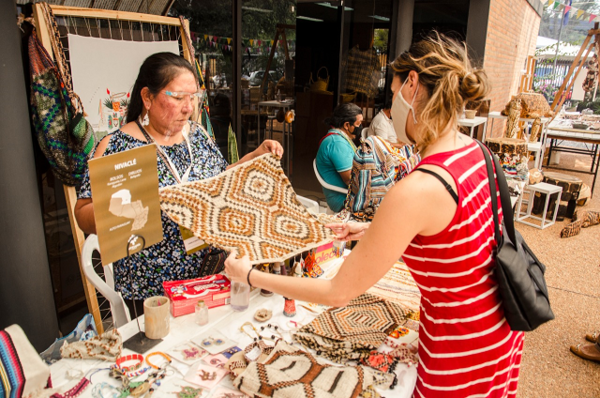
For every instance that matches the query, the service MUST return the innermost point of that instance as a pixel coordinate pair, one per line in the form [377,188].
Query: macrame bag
[520,274]
[63,133]
[376,167]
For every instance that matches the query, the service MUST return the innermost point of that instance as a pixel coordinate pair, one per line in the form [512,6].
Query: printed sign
[126,206]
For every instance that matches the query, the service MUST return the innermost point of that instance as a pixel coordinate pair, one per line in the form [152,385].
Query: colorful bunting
[567,8]
[592,17]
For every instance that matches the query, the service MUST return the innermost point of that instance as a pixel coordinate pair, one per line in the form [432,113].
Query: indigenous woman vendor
[162,101]
[440,221]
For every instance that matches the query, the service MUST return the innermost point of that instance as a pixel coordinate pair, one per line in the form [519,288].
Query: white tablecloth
[226,321]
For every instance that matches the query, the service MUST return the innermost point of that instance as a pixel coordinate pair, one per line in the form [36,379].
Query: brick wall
[513,27]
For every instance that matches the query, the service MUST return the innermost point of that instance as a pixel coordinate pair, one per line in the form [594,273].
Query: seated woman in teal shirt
[336,151]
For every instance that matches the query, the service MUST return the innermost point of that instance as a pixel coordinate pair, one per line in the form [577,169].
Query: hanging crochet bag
[320,84]
[376,167]
[63,133]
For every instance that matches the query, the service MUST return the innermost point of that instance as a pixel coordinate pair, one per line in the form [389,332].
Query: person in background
[382,126]
[163,98]
[439,219]
[336,151]
[589,351]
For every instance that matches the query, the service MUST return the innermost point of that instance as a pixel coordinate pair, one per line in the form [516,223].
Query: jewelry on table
[127,358]
[275,329]
[217,363]
[207,342]
[105,390]
[263,315]
[165,356]
[230,351]
[405,353]
[258,336]
[204,375]
[189,392]
[192,353]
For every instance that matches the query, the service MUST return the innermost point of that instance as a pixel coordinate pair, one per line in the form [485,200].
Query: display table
[226,321]
[472,123]
[560,131]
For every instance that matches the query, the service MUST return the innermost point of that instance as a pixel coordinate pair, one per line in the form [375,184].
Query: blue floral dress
[141,275]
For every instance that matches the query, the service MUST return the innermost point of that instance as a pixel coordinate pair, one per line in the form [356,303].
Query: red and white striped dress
[466,347]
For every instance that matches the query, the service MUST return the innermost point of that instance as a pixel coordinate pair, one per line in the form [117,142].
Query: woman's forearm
[84,214]
[305,289]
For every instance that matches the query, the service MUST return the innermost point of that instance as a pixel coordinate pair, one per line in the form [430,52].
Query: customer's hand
[270,146]
[349,231]
[237,268]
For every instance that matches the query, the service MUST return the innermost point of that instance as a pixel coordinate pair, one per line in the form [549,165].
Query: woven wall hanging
[251,209]
[352,332]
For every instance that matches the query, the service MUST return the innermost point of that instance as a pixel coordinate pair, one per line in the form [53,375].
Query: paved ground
[548,368]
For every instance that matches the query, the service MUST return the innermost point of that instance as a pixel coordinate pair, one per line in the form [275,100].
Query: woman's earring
[146,120]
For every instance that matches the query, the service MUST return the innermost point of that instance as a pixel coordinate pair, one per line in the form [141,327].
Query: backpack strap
[446,185]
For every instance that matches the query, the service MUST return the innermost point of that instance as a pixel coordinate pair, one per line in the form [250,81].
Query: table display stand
[556,134]
[547,189]
[139,342]
[287,131]
[472,123]
[536,147]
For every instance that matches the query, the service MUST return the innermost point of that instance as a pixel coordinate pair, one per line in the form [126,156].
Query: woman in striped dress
[440,221]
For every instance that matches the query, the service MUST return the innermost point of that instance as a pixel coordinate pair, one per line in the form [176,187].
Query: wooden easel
[43,32]
[280,32]
[575,68]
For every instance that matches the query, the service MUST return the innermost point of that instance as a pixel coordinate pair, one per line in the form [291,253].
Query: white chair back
[325,184]
[311,205]
[106,286]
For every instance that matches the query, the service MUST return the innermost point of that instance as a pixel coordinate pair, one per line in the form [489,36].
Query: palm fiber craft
[352,332]
[251,209]
[291,373]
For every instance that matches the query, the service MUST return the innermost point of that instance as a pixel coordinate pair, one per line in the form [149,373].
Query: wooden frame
[575,68]
[43,32]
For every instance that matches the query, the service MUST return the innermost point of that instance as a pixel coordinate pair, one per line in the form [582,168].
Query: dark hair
[343,113]
[155,73]
[387,104]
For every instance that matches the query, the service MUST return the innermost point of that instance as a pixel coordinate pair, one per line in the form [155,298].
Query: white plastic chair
[325,184]
[106,286]
[311,205]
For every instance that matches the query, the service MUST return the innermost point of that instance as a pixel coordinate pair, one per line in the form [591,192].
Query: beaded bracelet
[127,358]
[165,356]
[248,277]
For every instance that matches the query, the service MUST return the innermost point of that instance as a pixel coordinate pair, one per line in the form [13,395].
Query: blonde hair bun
[474,85]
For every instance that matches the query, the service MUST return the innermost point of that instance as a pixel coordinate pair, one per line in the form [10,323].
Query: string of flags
[568,10]
[253,46]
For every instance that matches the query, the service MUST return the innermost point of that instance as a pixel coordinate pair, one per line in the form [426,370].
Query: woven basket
[320,84]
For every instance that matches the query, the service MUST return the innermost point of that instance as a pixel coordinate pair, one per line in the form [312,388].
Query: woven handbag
[376,167]
[64,135]
[520,274]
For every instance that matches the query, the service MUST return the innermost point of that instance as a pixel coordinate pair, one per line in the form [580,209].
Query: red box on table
[215,290]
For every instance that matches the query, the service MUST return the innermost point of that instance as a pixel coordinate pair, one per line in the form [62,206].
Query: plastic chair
[325,184]
[106,286]
[311,205]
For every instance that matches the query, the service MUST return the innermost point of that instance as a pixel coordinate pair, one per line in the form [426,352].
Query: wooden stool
[542,188]
[570,194]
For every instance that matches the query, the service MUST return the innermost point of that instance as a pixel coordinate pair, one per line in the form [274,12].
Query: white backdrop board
[104,71]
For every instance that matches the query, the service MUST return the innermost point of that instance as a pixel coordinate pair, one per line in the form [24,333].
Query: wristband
[165,356]
[127,358]
[248,277]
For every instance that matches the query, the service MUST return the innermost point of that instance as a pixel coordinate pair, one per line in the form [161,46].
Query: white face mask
[399,112]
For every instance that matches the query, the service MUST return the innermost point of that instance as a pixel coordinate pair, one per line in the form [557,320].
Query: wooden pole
[579,67]
[561,90]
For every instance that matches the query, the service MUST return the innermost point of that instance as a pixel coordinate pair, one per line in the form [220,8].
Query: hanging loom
[105,24]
